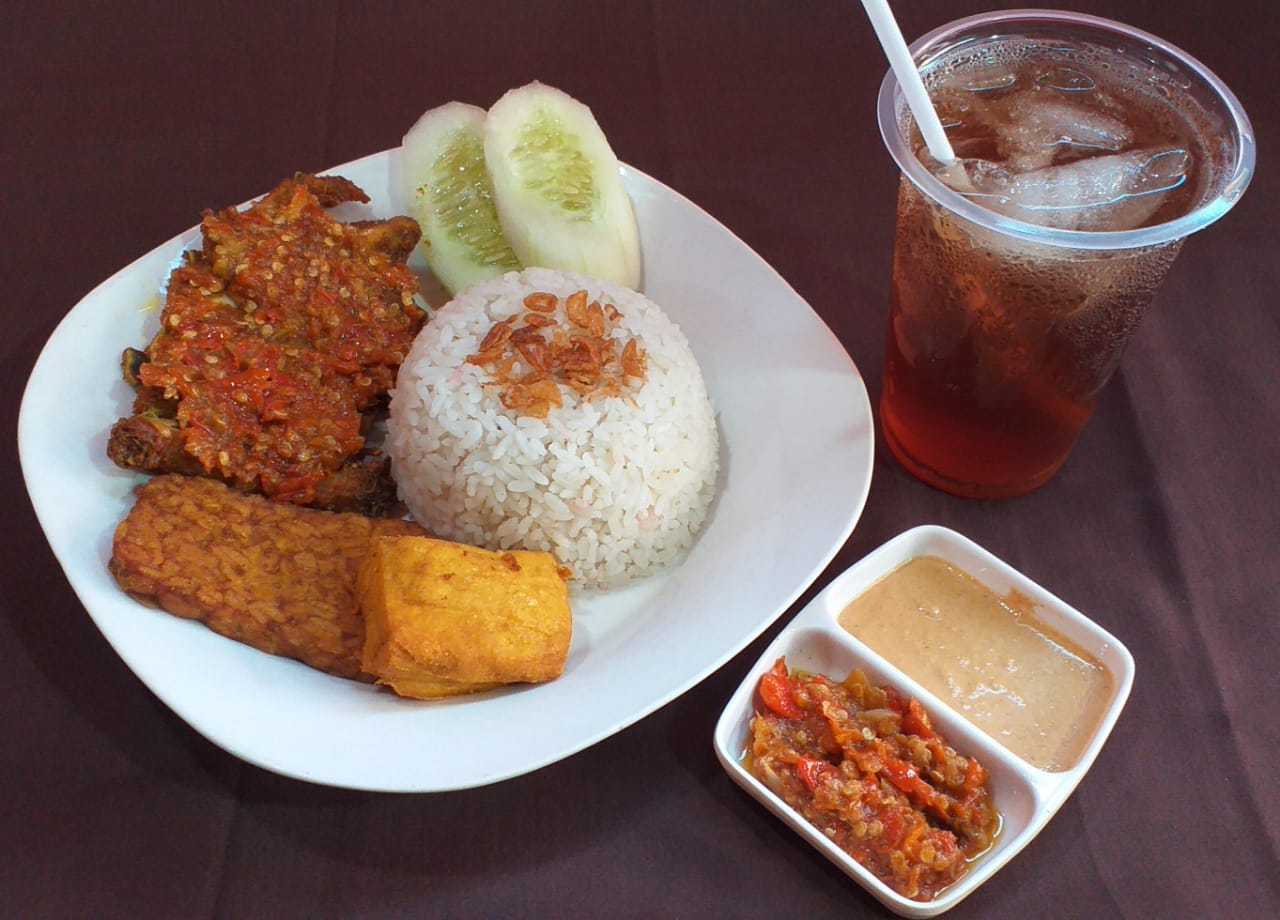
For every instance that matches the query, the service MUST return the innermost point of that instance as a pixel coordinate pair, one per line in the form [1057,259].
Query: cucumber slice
[557,186]
[450,196]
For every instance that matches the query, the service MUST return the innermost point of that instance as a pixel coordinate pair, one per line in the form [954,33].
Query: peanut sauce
[988,657]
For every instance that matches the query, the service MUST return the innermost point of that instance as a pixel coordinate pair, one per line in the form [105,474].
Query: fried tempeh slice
[274,576]
[444,619]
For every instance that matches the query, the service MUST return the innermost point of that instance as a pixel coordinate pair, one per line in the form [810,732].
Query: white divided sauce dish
[1026,796]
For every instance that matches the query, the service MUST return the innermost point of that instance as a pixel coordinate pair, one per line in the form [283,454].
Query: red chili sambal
[864,765]
[278,339]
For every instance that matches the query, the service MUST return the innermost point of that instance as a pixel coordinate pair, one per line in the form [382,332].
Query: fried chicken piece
[150,443]
[278,339]
[271,575]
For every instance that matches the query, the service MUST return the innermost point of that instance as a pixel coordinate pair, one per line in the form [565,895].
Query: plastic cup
[1002,333]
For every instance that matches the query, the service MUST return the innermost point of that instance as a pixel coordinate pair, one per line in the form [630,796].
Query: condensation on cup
[1086,152]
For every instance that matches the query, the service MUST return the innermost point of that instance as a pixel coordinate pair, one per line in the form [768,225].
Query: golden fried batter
[274,576]
[444,619]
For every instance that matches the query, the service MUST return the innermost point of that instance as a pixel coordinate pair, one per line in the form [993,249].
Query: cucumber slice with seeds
[451,197]
[557,186]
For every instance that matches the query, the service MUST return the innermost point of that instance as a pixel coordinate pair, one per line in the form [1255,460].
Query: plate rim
[230,743]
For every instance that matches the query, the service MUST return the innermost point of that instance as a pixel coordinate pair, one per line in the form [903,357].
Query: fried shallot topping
[532,355]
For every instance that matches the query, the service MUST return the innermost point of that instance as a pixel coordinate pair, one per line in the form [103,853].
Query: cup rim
[890,100]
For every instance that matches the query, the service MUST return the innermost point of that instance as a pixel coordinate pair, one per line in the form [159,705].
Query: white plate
[797,443]
[1026,796]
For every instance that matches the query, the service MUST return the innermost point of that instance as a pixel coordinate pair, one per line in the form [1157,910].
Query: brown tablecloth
[121,122]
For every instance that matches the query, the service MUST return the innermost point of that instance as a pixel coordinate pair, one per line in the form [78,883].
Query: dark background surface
[122,122]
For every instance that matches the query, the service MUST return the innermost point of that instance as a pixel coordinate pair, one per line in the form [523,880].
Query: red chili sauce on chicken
[863,764]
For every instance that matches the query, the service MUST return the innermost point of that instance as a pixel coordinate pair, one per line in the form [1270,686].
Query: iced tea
[999,341]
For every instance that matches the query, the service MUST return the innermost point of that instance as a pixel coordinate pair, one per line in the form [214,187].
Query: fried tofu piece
[271,575]
[443,619]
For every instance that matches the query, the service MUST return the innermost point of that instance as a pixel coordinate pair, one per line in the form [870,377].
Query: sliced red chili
[778,693]
[904,776]
[813,772]
[916,721]
[894,700]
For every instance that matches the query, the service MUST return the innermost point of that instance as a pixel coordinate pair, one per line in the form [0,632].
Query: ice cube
[952,106]
[978,179]
[992,78]
[1115,192]
[1065,79]
[1040,128]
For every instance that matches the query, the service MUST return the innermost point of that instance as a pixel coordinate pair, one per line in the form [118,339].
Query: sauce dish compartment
[1027,797]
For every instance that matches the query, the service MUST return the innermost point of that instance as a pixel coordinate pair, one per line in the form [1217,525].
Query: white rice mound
[616,488]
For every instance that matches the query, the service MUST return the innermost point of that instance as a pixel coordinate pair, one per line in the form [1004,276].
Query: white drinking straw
[895,48]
